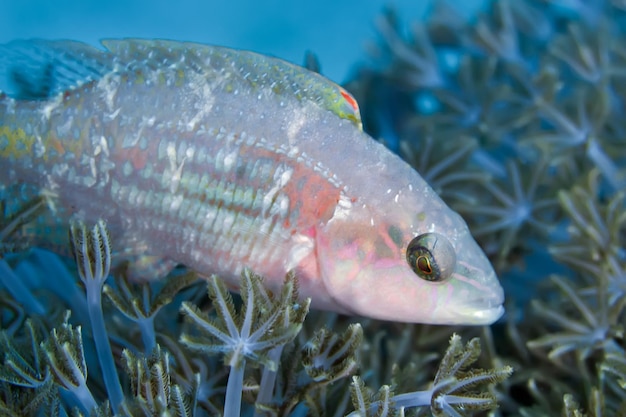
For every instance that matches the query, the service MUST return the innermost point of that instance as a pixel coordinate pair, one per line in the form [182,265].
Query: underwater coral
[516,118]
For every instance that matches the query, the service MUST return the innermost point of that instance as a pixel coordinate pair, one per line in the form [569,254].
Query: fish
[219,159]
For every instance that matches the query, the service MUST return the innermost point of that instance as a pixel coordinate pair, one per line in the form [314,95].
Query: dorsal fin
[258,71]
[41,69]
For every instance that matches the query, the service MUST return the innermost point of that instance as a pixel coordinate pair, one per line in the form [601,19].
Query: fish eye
[431,257]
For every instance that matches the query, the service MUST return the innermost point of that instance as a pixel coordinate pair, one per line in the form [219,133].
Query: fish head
[400,254]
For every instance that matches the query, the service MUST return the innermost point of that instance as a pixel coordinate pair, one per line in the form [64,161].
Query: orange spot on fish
[312,197]
[351,101]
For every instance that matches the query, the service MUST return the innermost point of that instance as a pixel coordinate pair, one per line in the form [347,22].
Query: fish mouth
[486,316]
[484,310]
[473,312]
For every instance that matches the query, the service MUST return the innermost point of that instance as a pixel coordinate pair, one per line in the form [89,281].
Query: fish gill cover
[516,119]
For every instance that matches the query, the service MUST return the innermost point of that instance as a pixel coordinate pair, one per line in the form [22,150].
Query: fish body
[220,159]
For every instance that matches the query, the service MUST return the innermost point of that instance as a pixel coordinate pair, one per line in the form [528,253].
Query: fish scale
[219,160]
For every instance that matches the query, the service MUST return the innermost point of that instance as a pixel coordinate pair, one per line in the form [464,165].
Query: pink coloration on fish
[221,159]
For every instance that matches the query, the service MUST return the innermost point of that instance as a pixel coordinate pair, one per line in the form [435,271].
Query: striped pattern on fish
[221,159]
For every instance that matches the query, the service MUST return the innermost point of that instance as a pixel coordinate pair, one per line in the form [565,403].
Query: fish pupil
[423,264]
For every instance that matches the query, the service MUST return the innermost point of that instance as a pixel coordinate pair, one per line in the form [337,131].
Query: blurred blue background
[337,31]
